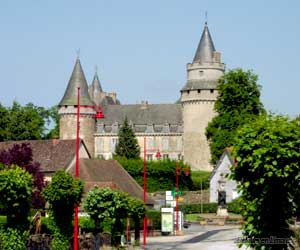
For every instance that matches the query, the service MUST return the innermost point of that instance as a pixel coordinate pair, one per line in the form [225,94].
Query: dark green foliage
[161,175]
[27,122]
[16,187]
[235,206]
[13,239]
[156,218]
[127,145]
[195,208]
[268,170]
[237,104]
[200,178]
[106,203]
[54,117]
[62,194]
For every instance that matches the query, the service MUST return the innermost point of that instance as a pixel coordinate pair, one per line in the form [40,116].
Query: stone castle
[176,131]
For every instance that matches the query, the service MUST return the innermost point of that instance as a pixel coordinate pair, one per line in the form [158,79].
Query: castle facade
[176,131]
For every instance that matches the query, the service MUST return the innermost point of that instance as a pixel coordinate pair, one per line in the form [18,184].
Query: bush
[195,208]
[156,218]
[234,206]
[13,239]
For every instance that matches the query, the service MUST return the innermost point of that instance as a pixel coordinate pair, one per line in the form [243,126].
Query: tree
[127,145]
[21,155]
[103,203]
[3,122]
[238,103]
[62,194]
[137,211]
[54,117]
[16,187]
[267,169]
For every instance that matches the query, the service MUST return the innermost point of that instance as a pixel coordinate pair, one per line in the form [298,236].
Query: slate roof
[143,114]
[52,154]
[200,84]
[77,79]
[206,48]
[109,173]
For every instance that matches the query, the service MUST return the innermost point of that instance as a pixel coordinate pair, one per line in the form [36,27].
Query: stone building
[176,130]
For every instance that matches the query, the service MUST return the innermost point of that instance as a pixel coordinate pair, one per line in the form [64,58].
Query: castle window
[149,143]
[201,73]
[199,91]
[113,143]
[211,91]
[179,157]
[165,143]
[100,145]
[179,143]
[188,92]
[165,156]
[149,157]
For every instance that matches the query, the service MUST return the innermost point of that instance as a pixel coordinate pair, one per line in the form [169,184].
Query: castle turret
[95,90]
[68,110]
[197,98]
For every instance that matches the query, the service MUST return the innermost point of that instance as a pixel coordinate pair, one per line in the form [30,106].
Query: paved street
[197,237]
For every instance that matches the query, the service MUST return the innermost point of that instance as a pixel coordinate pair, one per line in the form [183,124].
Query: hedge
[161,175]
[195,208]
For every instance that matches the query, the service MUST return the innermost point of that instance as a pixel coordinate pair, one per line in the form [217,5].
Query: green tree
[127,145]
[4,117]
[238,103]
[103,203]
[268,170]
[16,187]
[62,194]
[54,120]
[137,211]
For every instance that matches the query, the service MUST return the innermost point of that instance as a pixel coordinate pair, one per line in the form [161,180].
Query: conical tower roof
[96,85]
[77,80]
[205,48]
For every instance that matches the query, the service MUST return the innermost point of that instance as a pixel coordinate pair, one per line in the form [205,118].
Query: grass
[196,217]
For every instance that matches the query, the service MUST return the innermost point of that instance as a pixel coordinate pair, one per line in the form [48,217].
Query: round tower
[67,110]
[197,98]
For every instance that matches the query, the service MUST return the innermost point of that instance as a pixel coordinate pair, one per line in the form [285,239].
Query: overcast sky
[141,47]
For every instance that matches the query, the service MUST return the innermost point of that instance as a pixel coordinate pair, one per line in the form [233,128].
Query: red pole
[145,194]
[177,198]
[75,243]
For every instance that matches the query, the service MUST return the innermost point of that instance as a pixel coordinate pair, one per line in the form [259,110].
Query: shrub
[235,206]
[156,218]
[13,239]
[195,208]
[16,187]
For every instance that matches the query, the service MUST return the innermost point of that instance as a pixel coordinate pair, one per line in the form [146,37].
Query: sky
[141,48]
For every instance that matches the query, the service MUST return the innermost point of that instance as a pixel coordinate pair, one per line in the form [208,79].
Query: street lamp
[98,115]
[145,191]
[186,171]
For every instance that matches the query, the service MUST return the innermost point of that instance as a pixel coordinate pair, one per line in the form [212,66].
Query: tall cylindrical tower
[197,98]
[68,110]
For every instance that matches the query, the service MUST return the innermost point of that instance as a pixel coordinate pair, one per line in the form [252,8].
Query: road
[197,237]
